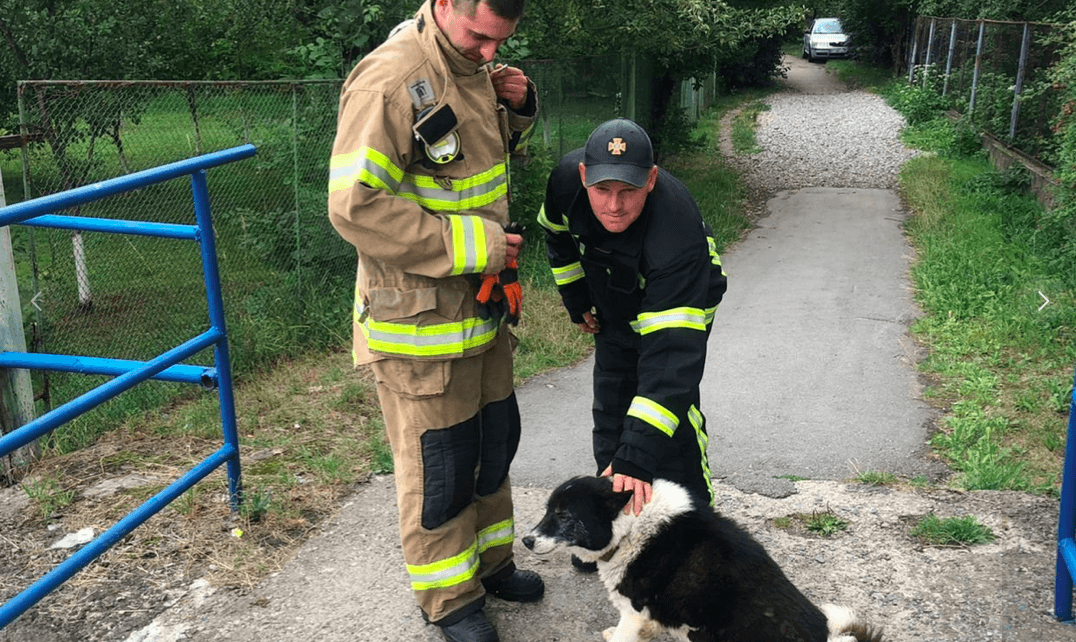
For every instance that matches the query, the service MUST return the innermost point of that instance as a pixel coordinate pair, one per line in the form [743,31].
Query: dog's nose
[528,541]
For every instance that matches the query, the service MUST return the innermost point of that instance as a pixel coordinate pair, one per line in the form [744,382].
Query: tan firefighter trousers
[454,429]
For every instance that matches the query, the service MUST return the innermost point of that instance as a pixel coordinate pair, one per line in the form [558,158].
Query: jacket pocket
[422,306]
[412,378]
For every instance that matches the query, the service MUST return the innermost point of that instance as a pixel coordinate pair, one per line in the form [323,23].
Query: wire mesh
[286,275]
[986,71]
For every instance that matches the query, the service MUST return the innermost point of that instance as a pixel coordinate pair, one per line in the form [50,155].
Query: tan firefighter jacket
[422,225]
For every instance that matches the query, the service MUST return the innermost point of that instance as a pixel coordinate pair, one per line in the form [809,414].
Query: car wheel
[805,56]
[810,57]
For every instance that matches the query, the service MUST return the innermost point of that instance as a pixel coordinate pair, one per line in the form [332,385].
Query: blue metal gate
[165,367]
[1066,523]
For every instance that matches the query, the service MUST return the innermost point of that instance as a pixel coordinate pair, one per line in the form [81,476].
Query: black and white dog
[680,566]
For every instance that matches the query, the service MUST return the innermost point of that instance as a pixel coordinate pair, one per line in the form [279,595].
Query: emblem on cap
[617,146]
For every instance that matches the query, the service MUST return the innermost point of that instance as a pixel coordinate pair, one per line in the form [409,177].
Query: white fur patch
[839,619]
[631,533]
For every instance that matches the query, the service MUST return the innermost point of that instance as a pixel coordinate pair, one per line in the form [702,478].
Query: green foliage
[918,104]
[1020,10]
[1060,224]
[879,30]
[952,531]
[529,176]
[47,495]
[744,140]
[825,524]
[944,137]
[340,34]
[875,478]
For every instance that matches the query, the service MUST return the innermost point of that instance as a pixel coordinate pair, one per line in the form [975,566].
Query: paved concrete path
[810,370]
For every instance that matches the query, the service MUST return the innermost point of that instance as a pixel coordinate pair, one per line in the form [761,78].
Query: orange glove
[504,289]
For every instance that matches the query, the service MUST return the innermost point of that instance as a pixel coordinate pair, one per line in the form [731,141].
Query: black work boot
[471,628]
[515,585]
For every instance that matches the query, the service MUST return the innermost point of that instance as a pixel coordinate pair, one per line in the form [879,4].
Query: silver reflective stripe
[698,422]
[450,572]
[689,318]
[468,244]
[654,414]
[498,534]
[469,193]
[568,273]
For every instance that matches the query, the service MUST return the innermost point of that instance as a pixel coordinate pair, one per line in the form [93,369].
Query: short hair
[507,9]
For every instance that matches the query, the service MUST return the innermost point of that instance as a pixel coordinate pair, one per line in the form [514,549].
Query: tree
[682,38]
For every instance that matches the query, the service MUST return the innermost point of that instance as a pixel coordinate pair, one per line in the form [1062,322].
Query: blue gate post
[1066,523]
[167,366]
[216,318]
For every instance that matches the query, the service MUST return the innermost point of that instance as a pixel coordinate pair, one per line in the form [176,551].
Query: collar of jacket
[439,48]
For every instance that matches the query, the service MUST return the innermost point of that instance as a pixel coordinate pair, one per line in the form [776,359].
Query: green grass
[999,360]
[952,531]
[858,75]
[744,125]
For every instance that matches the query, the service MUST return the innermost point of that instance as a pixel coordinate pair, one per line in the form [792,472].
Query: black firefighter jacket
[660,279]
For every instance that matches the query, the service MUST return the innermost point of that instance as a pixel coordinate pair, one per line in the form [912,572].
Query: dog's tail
[845,626]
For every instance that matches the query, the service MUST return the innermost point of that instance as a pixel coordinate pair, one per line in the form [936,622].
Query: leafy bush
[916,103]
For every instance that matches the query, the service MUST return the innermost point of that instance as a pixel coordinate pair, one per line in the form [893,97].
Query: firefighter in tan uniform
[419,184]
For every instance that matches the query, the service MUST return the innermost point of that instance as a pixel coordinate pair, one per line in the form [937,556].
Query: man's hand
[589,325]
[510,83]
[642,491]
[513,246]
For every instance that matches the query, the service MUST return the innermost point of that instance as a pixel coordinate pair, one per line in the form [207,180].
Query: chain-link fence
[994,72]
[287,276]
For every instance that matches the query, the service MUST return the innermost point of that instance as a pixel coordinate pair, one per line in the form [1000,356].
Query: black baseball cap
[618,150]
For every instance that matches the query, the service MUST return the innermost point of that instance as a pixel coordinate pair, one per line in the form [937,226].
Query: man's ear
[583,174]
[652,179]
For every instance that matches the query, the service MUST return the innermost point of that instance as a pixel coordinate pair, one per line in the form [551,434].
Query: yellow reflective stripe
[366,165]
[698,422]
[689,318]
[449,572]
[464,194]
[468,244]
[376,170]
[439,340]
[654,414]
[568,273]
[497,534]
[714,257]
[544,221]
[710,312]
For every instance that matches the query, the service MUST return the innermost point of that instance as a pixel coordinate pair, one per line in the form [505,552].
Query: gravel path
[817,133]
[818,139]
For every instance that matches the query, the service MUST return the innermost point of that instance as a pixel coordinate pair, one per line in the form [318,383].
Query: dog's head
[579,516]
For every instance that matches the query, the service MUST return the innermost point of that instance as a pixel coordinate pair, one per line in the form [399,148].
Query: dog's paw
[608,633]
[649,631]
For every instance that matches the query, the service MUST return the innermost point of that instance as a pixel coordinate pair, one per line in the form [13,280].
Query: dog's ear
[614,501]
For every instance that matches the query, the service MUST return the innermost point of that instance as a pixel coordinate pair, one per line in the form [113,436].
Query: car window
[827,26]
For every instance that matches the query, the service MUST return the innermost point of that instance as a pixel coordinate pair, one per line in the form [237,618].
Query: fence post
[1024,46]
[295,187]
[17,405]
[913,51]
[978,66]
[949,60]
[930,51]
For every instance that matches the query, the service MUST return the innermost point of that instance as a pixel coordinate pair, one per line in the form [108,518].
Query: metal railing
[167,366]
[1066,524]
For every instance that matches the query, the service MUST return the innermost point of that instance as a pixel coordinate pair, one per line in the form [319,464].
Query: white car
[825,39]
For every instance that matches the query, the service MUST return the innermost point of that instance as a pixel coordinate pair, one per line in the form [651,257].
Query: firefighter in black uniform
[638,268]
